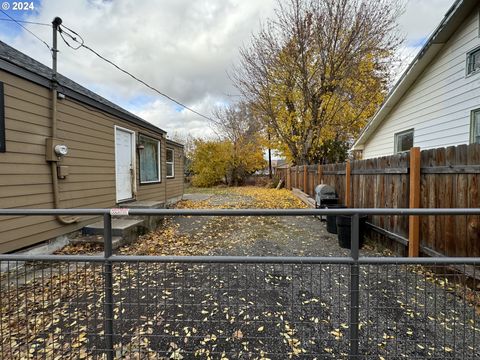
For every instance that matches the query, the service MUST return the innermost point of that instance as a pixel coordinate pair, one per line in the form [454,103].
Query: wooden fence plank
[449,202]
[461,191]
[305,179]
[439,201]
[319,174]
[424,191]
[289,178]
[473,222]
[348,198]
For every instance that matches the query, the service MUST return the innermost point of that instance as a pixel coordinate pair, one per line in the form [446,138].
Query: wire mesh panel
[56,310]
[51,310]
[419,312]
[230,311]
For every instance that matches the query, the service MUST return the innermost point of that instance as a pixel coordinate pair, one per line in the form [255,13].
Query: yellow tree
[209,162]
[318,71]
[235,123]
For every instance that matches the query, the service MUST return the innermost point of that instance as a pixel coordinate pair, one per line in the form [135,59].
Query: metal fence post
[354,289]
[108,286]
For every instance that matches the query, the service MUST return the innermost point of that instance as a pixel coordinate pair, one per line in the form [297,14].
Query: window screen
[473,61]
[149,159]
[403,141]
[170,163]
[475,128]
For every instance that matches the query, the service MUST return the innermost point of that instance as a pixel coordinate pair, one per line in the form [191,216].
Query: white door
[124,145]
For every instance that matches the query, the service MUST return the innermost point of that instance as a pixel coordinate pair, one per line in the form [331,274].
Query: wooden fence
[437,178]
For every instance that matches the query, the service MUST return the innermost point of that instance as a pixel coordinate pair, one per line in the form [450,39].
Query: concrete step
[143,205]
[149,221]
[128,230]
[119,227]
[117,241]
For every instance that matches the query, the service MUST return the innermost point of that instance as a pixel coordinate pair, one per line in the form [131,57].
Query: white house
[436,102]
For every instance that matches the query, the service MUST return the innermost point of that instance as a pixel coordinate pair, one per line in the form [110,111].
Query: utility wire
[19,24]
[26,22]
[82,44]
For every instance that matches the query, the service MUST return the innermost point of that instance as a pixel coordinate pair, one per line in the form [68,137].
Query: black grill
[325,195]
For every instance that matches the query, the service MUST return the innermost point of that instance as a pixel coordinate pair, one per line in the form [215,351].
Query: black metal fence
[152,307]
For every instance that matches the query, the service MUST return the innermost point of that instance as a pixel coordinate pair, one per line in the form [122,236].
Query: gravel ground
[259,311]
[302,310]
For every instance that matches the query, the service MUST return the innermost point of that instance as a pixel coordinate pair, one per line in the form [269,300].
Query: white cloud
[182,47]
[418,22]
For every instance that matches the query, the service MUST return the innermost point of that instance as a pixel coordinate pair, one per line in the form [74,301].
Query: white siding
[438,105]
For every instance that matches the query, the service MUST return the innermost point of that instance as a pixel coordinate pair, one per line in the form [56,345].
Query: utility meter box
[55,149]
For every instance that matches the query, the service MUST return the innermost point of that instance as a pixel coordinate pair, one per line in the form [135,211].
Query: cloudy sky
[182,47]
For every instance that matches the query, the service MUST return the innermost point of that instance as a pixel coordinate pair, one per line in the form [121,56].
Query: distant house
[278,163]
[436,103]
[79,151]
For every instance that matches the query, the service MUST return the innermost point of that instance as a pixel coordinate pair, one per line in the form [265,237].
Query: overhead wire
[81,43]
[31,33]
[26,22]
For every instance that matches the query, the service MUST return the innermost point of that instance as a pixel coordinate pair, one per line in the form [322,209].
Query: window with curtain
[149,150]
[170,164]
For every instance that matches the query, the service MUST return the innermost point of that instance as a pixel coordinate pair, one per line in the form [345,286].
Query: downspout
[53,163]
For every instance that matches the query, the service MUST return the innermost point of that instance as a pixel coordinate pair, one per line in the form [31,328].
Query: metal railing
[121,306]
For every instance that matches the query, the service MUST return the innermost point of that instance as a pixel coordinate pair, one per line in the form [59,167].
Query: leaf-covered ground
[237,310]
[213,235]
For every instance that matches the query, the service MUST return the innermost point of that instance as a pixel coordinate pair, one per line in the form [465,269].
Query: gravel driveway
[287,310]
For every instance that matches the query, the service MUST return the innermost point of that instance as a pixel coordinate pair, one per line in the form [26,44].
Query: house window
[473,61]
[170,164]
[475,127]
[403,141]
[149,150]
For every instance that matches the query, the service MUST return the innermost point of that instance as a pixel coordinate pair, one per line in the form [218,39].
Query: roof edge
[439,37]
[27,74]
[172,142]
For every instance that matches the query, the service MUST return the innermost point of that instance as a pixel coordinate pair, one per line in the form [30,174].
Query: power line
[19,24]
[26,22]
[82,44]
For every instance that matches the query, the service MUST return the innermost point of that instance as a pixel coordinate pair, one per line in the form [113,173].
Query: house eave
[450,23]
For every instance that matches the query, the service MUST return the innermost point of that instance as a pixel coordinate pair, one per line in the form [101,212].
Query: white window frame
[172,163]
[474,125]
[159,161]
[396,136]
[469,54]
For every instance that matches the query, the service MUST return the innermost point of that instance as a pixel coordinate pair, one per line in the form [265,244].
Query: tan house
[70,148]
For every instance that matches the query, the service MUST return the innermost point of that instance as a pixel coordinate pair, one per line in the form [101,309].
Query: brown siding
[175,184]
[25,175]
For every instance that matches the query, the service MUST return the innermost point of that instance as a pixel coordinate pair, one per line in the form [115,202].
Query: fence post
[305,179]
[348,198]
[354,289]
[108,285]
[319,174]
[414,220]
